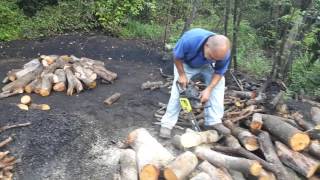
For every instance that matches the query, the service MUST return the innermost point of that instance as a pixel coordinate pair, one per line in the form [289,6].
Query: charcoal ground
[75,139]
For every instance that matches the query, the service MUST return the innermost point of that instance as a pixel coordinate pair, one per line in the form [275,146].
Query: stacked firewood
[267,141]
[58,73]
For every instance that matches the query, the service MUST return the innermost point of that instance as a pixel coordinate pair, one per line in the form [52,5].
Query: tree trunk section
[192,138]
[213,172]
[181,167]
[296,139]
[236,163]
[256,122]
[87,76]
[46,84]
[32,86]
[201,176]
[151,155]
[304,165]
[128,165]
[59,80]
[314,148]
[110,100]
[73,82]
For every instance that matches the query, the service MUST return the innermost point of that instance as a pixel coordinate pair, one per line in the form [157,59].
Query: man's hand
[205,95]
[183,81]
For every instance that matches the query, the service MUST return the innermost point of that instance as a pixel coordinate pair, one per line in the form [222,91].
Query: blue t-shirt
[189,49]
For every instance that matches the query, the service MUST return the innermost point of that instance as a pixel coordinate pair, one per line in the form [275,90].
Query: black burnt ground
[71,141]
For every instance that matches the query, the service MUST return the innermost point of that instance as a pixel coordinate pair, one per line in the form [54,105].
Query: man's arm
[183,80]
[205,94]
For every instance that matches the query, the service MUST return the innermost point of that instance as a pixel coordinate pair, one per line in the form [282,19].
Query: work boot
[220,128]
[165,132]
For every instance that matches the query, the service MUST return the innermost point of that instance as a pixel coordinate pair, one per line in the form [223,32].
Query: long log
[12,74]
[192,138]
[296,139]
[181,167]
[247,139]
[304,165]
[201,176]
[214,172]
[46,84]
[236,175]
[151,155]
[6,94]
[231,141]
[87,76]
[315,115]
[28,67]
[23,81]
[104,73]
[271,156]
[32,85]
[59,80]
[236,163]
[73,82]
[128,164]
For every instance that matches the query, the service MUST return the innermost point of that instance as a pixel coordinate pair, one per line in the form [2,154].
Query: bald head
[217,47]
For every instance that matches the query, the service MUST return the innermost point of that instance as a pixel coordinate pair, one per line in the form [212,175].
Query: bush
[11,19]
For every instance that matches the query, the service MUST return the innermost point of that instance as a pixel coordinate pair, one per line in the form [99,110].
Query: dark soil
[75,139]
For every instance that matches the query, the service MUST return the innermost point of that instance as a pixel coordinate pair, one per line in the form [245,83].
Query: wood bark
[46,84]
[59,63]
[110,100]
[192,138]
[32,85]
[201,176]
[277,99]
[181,167]
[151,155]
[128,164]
[315,115]
[271,156]
[104,73]
[296,139]
[304,165]
[27,68]
[59,80]
[236,175]
[231,141]
[23,81]
[151,85]
[236,163]
[247,139]
[214,172]
[314,148]
[73,82]
[6,94]
[87,76]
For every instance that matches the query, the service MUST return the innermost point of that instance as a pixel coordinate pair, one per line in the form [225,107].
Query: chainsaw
[189,97]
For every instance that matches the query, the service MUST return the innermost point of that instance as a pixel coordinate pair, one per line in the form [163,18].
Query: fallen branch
[14,126]
[5,142]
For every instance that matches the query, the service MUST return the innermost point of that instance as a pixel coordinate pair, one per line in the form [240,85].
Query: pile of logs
[58,73]
[267,141]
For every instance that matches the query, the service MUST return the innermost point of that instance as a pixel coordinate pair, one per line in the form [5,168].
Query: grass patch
[135,29]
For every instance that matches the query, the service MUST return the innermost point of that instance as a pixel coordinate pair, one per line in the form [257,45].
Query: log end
[44,92]
[59,87]
[28,89]
[92,85]
[25,99]
[149,172]
[256,169]
[169,174]
[255,126]
[311,171]
[299,141]
[251,144]
[23,107]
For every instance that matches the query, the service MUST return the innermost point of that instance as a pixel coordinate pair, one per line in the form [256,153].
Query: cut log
[25,100]
[304,165]
[151,85]
[236,175]
[32,86]
[301,122]
[151,155]
[6,94]
[296,139]
[12,74]
[49,59]
[23,107]
[59,63]
[192,138]
[73,82]
[236,163]
[181,167]
[315,115]
[43,107]
[128,165]
[265,175]
[104,73]
[271,156]
[256,122]
[46,84]
[231,141]
[201,176]
[213,172]
[59,79]
[87,76]
[314,148]
[243,94]
[23,81]
[277,99]
[247,139]
[110,100]
[29,67]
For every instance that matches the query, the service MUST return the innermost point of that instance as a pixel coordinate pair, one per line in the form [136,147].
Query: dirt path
[75,139]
